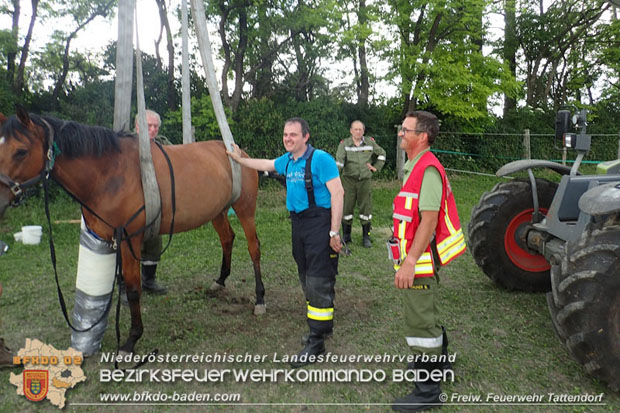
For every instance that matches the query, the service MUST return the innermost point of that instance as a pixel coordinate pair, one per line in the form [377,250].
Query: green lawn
[503,341]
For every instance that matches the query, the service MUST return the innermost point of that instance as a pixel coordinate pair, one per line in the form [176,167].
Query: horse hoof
[124,353]
[216,287]
[260,309]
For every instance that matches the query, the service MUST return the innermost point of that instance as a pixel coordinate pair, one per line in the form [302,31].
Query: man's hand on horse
[236,152]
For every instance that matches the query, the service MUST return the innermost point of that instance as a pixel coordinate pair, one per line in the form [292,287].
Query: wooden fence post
[527,150]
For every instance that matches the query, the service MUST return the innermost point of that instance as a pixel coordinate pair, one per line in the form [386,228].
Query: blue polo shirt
[324,169]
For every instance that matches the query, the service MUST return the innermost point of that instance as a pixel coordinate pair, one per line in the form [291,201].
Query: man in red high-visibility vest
[427,227]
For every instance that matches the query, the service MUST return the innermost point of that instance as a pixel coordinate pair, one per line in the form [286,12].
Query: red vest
[448,234]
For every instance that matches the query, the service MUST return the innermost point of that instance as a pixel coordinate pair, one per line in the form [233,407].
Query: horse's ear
[23,115]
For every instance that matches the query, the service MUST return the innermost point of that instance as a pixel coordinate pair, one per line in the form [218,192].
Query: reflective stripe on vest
[448,233]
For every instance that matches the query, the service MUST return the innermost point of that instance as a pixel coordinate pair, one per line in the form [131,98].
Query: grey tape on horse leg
[86,311]
[94,284]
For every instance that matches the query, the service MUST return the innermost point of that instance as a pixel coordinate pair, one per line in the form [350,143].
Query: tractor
[532,234]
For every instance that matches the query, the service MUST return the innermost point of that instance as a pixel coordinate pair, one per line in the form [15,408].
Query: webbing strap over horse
[150,186]
[198,13]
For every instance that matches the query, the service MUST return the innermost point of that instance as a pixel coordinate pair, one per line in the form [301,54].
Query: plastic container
[31,234]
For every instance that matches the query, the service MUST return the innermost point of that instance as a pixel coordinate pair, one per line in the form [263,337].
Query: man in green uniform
[151,249]
[357,158]
[428,230]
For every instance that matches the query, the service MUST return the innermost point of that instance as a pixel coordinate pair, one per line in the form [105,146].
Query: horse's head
[22,155]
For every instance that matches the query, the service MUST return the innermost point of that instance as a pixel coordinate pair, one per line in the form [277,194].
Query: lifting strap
[200,22]
[150,187]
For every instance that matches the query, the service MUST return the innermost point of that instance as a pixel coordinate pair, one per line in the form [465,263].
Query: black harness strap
[307,178]
[120,234]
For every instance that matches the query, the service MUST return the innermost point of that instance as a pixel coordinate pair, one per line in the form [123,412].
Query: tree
[165,25]
[82,12]
[556,59]
[510,48]
[11,53]
[439,57]
[355,43]
[259,39]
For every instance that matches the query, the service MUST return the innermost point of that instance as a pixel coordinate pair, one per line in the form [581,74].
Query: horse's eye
[20,154]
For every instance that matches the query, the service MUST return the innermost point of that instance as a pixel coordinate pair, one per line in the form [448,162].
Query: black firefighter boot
[366,236]
[346,233]
[149,284]
[315,346]
[425,395]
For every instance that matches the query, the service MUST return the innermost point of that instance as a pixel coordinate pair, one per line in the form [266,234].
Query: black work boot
[304,338]
[149,284]
[346,233]
[425,394]
[366,236]
[315,346]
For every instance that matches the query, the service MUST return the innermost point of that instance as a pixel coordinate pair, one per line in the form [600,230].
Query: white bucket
[31,234]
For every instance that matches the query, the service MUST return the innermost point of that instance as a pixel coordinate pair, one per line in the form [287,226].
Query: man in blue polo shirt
[314,199]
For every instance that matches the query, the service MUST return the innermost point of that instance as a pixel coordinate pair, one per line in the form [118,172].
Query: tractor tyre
[585,303]
[494,231]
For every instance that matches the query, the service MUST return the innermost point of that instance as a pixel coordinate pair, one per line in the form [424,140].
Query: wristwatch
[333,234]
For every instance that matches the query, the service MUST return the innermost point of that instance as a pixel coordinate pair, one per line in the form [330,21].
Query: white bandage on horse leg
[96,264]
[94,284]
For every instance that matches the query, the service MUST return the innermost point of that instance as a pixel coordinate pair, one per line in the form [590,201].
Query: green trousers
[422,328]
[151,251]
[357,191]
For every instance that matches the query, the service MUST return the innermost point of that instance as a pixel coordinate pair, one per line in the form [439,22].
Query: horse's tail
[274,175]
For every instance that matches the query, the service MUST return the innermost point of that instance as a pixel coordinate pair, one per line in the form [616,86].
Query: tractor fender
[524,164]
[601,200]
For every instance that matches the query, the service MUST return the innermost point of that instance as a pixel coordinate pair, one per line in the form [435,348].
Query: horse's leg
[227,238]
[249,227]
[131,273]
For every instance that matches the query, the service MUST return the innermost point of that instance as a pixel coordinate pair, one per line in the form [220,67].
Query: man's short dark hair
[427,122]
[305,129]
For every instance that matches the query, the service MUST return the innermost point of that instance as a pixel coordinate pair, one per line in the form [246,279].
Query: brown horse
[101,169]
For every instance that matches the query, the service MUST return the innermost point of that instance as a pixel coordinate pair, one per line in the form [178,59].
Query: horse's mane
[75,139]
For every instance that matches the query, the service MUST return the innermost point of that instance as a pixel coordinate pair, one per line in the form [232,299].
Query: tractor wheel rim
[520,257]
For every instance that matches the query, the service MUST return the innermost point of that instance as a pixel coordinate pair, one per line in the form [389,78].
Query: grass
[504,342]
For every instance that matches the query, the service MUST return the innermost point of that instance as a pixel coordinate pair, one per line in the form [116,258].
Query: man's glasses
[405,130]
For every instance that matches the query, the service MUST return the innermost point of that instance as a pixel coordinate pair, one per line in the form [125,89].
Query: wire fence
[485,153]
